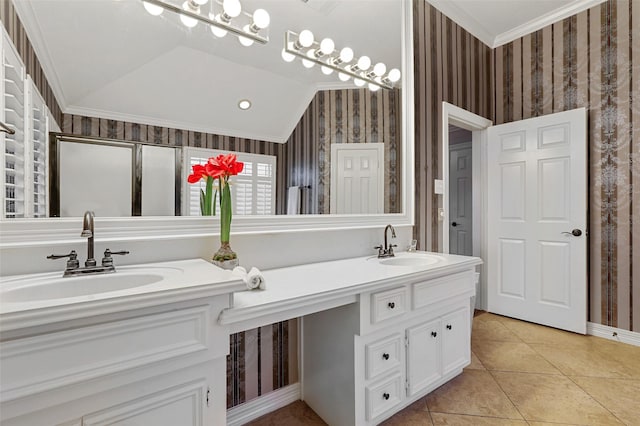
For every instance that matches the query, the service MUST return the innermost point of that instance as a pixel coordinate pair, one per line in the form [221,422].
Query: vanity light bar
[222,25]
[332,61]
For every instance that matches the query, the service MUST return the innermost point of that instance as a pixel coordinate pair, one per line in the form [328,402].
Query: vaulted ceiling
[110,58]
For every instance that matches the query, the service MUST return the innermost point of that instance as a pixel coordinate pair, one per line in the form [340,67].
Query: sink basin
[47,287]
[411,259]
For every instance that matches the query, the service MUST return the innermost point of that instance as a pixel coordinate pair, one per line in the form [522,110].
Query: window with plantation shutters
[252,190]
[25,153]
[14,146]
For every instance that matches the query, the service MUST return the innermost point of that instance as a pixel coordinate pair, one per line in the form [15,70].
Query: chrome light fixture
[229,19]
[325,54]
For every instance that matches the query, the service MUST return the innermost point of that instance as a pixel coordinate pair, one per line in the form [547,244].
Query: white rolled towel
[255,279]
[239,271]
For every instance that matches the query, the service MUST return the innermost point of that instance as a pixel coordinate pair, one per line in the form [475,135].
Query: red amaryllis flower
[227,165]
[198,173]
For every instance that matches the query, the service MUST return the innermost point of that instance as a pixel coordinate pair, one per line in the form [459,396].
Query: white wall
[264,251]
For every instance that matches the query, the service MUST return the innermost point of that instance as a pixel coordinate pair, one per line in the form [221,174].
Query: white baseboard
[613,333]
[262,405]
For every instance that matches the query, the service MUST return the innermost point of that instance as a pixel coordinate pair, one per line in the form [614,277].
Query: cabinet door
[182,405]
[423,355]
[455,340]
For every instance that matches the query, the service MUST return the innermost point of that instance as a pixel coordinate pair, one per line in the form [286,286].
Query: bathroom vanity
[377,334]
[147,345]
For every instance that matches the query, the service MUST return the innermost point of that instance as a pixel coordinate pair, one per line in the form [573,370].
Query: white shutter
[13,115]
[37,150]
[252,190]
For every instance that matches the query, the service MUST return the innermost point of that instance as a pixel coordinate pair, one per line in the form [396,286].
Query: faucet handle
[390,251]
[72,263]
[380,249]
[107,260]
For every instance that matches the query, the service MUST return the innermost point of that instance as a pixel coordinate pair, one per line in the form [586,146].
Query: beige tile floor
[521,374]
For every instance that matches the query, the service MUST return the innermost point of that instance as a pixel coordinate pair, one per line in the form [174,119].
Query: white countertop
[297,288]
[183,280]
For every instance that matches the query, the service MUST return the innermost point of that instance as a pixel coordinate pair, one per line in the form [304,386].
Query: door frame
[464,119]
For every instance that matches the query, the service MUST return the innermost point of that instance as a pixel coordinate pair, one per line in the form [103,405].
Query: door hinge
[208,394]
[406,341]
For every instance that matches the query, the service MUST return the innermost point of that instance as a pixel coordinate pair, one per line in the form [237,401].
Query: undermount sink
[46,287]
[411,259]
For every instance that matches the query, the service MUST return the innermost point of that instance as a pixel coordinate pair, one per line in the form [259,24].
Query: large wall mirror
[130,82]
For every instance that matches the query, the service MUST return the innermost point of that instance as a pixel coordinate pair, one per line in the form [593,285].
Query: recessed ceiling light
[244,104]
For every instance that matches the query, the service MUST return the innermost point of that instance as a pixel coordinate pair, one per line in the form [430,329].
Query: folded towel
[255,279]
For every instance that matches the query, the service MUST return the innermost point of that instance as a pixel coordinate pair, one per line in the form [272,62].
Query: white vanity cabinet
[160,366]
[152,356]
[367,360]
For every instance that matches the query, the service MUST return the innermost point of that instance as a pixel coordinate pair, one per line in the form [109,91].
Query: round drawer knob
[385,356]
[385,396]
[391,305]
[434,334]
[448,326]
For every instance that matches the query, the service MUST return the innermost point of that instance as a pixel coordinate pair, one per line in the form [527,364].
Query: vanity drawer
[388,304]
[433,291]
[382,356]
[383,396]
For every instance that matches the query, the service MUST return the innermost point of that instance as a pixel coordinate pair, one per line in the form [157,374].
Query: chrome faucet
[387,249]
[90,265]
[87,232]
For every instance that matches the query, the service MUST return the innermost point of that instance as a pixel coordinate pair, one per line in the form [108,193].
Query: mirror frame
[43,232]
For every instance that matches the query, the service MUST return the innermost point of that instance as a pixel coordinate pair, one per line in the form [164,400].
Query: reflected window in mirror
[253,191]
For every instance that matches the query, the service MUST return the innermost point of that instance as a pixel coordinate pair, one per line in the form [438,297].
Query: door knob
[454,224]
[575,232]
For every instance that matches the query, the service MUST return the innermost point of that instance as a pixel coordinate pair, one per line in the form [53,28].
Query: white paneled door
[357,178]
[537,220]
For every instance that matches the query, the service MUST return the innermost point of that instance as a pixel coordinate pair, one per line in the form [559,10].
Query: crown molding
[25,12]
[469,23]
[462,18]
[550,18]
[152,121]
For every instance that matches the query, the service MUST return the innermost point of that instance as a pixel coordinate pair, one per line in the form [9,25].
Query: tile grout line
[579,387]
[596,399]
[508,397]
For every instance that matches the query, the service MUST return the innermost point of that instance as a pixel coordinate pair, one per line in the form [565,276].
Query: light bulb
[327,46]
[343,77]
[394,75]
[200,2]
[305,38]
[218,32]
[358,82]
[326,70]
[232,7]
[346,54]
[364,63]
[186,20]
[375,87]
[307,63]
[288,57]
[153,9]
[379,69]
[246,42]
[261,18]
